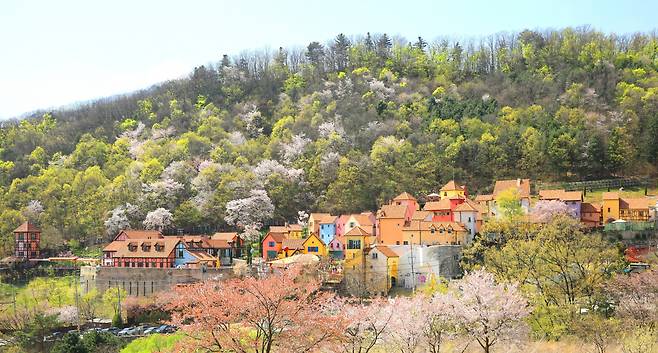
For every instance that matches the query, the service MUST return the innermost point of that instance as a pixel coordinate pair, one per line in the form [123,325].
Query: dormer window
[432,230]
[132,247]
[441,230]
[146,247]
[449,230]
[159,247]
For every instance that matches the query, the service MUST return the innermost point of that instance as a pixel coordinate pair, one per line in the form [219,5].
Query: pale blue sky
[54,53]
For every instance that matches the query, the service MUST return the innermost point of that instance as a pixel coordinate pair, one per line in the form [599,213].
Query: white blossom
[380,90]
[158,219]
[295,147]
[302,218]
[251,211]
[252,120]
[33,210]
[268,167]
[162,133]
[120,219]
[236,138]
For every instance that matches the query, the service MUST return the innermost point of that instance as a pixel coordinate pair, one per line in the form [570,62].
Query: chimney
[518,182]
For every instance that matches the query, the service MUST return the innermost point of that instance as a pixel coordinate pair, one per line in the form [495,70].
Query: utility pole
[413,273]
[118,299]
[77,302]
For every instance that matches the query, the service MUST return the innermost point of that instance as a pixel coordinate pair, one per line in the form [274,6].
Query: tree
[508,203]
[544,210]
[635,296]
[33,210]
[158,219]
[250,211]
[279,313]
[314,54]
[489,312]
[366,326]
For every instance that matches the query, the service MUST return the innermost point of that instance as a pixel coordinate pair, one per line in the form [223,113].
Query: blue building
[327,229]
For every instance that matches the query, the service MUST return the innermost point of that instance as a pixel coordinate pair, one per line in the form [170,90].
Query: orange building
[628,209]
[393,217]
[435,233]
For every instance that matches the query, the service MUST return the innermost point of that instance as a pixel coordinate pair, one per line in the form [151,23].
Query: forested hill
[339,127]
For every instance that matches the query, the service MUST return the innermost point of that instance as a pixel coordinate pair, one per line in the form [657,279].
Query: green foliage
[153,343]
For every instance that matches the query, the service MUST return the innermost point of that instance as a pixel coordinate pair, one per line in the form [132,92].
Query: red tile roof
[522,185]
[467,206]
[358,231]
[404,196]
[26,227]
[392,211]
[451,186]
[293,244]
[487,197]
[228,236]
[140,234]
[444,204]
[560,194]
[168,243]
[386,251]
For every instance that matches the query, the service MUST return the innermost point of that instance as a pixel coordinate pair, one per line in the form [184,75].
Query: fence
[598,184]
[630,226]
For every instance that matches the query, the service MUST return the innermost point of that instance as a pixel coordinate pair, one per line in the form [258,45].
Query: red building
[26,240]
[443,211]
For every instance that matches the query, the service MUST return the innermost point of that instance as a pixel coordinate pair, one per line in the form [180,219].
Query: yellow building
[357,240]
[381,270]
[314,222]
[452,189]
[628,209]
[290,231]
[290,247]
[313,245]
[435,233]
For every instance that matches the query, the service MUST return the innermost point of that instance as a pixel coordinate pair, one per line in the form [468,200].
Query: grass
[153,343]
[597,195]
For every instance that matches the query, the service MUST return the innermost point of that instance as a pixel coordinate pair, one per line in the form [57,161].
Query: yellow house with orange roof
[615,207]
[357,240]
[381,269]
[452,189]
[313,245]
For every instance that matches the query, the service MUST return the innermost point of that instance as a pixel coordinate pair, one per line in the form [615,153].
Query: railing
[597,184]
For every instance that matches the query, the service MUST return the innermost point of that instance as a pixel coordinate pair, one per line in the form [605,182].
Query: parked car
[150,330]
[161,328]
[125,331]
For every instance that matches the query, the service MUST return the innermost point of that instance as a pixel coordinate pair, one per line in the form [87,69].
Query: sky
[56,53]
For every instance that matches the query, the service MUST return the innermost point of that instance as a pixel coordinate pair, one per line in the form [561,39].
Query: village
[401,246]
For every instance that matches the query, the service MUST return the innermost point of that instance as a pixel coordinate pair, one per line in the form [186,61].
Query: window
[312,249]
[608,209]
[21,236]
[432,230]
[374,255]
[352,224]
[353,244]
[469,219]
[180,252]
[441,230]
[271,244]
[449,230]
[397,242]
[33,236]
[33,254]
[445,194]
[405,242]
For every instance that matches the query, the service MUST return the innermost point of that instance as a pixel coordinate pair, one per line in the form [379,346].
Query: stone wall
[147,281]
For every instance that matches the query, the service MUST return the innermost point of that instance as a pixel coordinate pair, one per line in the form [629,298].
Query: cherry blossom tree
[158,219]
[636,297]
[280,313]
[33,210]
[120,218]
[249,211]
[487,311]
[408,323]
[545,210]
[366,326]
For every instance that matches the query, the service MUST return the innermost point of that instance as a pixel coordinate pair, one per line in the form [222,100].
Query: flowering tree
[119,219]
[158,219]
[487,311]
[302,218]
[162,193]
[366,326]
[636,296]
[545,210]
[249,211]
[280,313]
[295,148]
[33,210]
[410,319]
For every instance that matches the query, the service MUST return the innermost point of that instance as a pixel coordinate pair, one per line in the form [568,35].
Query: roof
[286,228]
[27,227]
[228,236]
[328,219]
[560,194]
[420,215]
[637,203]
[278,237]
[293,244]
[428,225]
[444,204]
[386,251]
[467,206]
[218,243]
[363,219]
[202,256]
[392,211]
[610,195]
[114,246]
[487,197]
[168,243]
[358,231]
[522,185]
[589,208]
[451,185]
[140,234]
[404,196]
[296,259]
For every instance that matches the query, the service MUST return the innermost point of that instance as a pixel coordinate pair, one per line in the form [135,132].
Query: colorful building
[314,245]
[470,215]
[628,209]
[119,242]
[236,242]
[391,219]
[522,187]
[452,189]
[336,247]
[435,233]
[314,221]
[290,247]
[405,199]
[590,214]
[272,245]
[150,253]
[443,210]
[327,228]
[340,224]
[366,220]
[357,240]
[27,238]
[381,269]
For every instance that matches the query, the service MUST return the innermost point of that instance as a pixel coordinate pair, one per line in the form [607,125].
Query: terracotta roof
[278,237]
[610,195]
[169,245]
[228,236]
[140,234]
[444,204]
[218,244]
[356,231]
[487,197]
[420,215]
[560,194]
[202,256]
[437,225]
[286,229]
[404,196]
[295,227]
[589,208]
[328,219]
[363,219]
[468,205]
[392,211]
[27,227]
[522,185]
[114,246]
[386,251]
[636,203]
[293,244]
[451,186]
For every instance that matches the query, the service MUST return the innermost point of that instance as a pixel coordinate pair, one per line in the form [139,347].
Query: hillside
[338,127]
